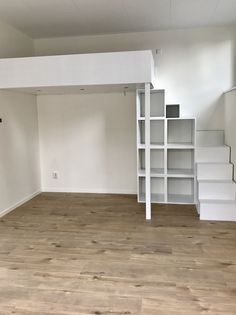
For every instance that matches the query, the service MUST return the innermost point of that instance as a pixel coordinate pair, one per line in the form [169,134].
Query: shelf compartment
[157,103]
[172,111]
[180,132]
[180,163]
[156,160]
[157,190]
[180,190]
[141,132]
[157,132]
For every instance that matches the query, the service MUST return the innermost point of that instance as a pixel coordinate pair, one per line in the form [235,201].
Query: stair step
[218,154]
[220,210]
[216,190]
[206,138]
[214,171]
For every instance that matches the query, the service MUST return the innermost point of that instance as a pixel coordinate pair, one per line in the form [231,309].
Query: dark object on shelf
[172,111]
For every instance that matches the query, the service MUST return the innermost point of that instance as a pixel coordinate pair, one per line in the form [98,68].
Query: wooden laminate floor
[96,254]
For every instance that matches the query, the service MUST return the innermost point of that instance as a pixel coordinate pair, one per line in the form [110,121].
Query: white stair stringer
[216,188]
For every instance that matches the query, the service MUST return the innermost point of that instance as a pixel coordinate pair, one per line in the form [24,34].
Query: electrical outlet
[55,175]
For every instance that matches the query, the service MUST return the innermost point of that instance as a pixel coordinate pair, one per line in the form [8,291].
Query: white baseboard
[89,191]
[18,204]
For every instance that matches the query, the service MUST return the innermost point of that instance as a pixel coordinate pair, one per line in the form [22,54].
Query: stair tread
[213,146]
[213,181]
[215,163]
[217,201]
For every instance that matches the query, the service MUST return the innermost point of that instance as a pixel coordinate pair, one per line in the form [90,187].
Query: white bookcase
[172,152]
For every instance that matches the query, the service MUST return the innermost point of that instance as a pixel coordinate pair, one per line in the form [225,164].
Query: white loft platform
[97,72]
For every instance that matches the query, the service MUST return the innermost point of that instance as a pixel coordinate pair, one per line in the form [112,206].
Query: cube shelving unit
[172,152]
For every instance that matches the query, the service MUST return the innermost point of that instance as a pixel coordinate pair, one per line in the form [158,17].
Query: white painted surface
[19,157]
[230,125]
[216,190]
[147,127]
[180,131]
[90,141]
[215,171]
[19,154]
[172,165]
[188,67]
[218,210]
[132,67]
[74,17]
[217,154]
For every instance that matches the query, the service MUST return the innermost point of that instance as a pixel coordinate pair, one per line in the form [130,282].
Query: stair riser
[214,155]
[215,171]
[217,191]
[218,212]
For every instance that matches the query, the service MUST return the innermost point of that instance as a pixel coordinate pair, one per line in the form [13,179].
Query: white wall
[81,136]
[19,158]
[230,124]
[90,140]
[19,154]
[196,66]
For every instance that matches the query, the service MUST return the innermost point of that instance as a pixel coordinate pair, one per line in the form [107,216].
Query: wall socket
[55,175]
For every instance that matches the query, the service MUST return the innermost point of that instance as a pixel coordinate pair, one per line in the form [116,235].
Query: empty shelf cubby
[156,162]
[157,103]
[181,132]
[141,132]
[157,190]
[180,190]
[180,162]
[157,132]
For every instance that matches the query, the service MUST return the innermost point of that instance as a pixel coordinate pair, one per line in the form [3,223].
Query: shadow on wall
[196,78]
[233,60]
[213,115]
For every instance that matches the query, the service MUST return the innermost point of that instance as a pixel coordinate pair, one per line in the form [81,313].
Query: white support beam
[147,151]
[97,69]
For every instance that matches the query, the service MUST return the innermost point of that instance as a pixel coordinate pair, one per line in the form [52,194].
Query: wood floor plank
[87,254]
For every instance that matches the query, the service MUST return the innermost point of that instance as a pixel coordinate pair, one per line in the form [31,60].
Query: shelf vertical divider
[147,151]
[194,163]
[165,159]
[137,141]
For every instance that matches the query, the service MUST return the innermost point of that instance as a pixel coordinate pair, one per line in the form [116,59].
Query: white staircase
[216,188]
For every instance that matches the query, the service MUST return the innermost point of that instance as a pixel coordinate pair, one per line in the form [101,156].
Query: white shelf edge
[155,198]
[180,199]
[154,173]
[152,118]
[181,173]
[152,146]
[181,118]
[180,146]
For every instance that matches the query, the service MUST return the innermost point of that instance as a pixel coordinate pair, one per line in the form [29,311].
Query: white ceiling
[49,18]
